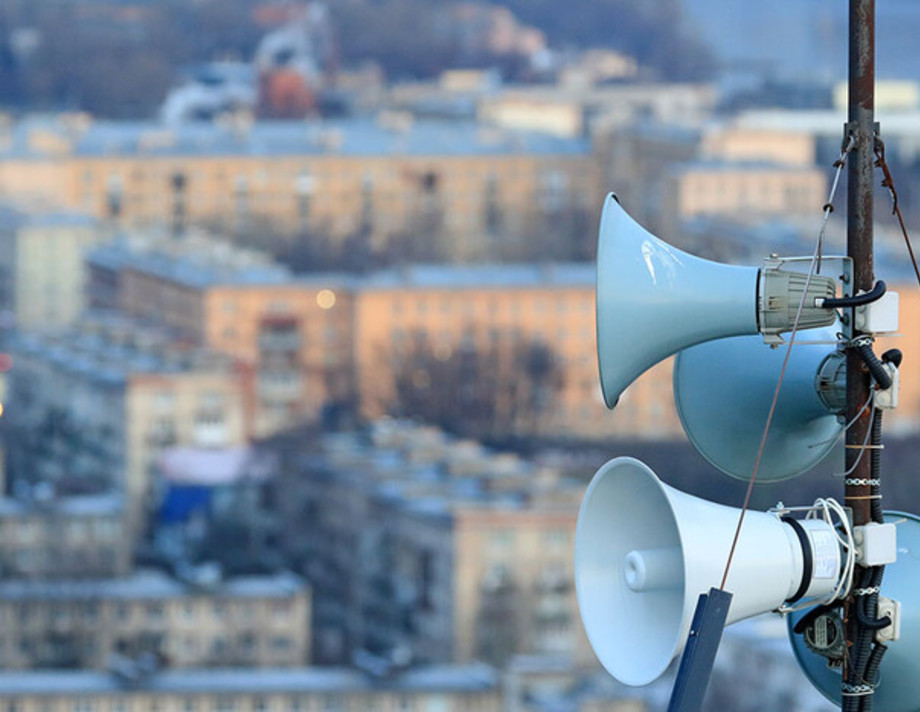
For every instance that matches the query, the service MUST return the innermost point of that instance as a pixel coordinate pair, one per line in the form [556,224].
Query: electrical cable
[857,300]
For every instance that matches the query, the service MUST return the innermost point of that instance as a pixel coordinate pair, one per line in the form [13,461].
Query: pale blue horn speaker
[724,388]
[898,688]
[654,300]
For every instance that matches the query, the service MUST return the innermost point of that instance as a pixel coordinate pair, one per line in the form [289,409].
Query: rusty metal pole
[860,170]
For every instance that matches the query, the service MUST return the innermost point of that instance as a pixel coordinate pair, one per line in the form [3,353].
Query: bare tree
[506,389]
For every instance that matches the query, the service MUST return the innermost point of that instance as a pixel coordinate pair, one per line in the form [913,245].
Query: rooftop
[149,585]
[203,269]
[37,138]
[421,471]
[110,348]
[474,677]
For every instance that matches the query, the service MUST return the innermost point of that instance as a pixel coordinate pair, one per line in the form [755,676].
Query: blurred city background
[299,383]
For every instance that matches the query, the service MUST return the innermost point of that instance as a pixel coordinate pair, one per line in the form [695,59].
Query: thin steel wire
[888,182]
[828,209]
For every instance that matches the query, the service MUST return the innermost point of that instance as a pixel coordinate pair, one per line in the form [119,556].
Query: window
[281,644]
[332,703]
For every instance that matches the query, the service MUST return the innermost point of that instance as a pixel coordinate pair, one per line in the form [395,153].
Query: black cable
[875,467]
[872,668]
[875,366]
[874,294]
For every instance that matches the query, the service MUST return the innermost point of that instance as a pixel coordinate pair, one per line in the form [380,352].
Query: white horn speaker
[645,551]
[724,389]
[654,300]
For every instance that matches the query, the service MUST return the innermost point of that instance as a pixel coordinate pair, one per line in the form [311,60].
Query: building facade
[63,538]
[308,343]
[42,271]
[89,410]
[461,554]
[381,177]
[448,688]
[253,622]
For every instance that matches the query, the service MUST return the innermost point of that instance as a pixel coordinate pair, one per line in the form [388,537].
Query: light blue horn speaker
[724,388]
[898,688]
[654,300]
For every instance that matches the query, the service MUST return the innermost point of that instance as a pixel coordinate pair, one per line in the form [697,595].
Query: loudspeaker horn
[898,688]
[654,300]
[723,390]
[644,552]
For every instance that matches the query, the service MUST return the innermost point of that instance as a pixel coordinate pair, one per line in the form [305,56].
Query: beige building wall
[905,419]
[560,316]
[325,191]
[739,144]
[165,301]
[351,338]
[524,557]
[744,191]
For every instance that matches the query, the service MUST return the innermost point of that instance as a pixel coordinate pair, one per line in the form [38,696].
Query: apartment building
[383,177]
[88,410]
[42,271]
[310,341]
[741,190]
[251,622]
[461,554]
[63,537]
[292,336]
[442,688]
[739,144]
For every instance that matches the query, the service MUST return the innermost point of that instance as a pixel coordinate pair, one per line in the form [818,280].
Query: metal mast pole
[861,126]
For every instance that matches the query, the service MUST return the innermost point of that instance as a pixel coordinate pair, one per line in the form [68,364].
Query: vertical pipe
[861,125]
[859,230]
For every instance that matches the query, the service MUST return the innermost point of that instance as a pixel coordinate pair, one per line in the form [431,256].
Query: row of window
[280,609]
[368,702]
[560,305]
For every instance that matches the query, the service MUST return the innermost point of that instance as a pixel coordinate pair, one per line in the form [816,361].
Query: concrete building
[743,191]
[443,180]
[442,688]
[461,554]
[311,341]
[253,622]
[42,271]
[63,538]
[292,336]
[88,410]
[737,144]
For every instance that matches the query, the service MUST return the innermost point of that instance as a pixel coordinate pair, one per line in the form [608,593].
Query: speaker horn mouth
[654,569]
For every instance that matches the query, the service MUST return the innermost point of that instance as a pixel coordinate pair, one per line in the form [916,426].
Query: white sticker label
[826,554]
